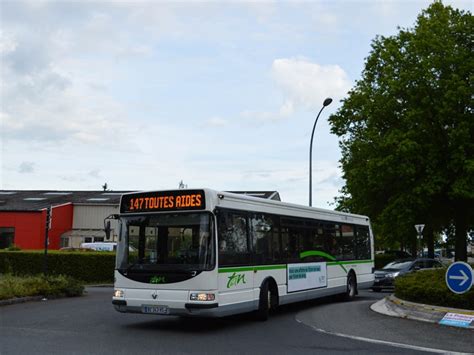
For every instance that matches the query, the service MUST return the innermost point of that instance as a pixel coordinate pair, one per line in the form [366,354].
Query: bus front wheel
[265,302]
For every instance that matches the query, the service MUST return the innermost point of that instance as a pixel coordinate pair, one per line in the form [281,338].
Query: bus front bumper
[190,309]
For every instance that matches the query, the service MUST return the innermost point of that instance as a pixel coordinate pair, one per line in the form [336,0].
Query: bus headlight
[118,293]
[202,297]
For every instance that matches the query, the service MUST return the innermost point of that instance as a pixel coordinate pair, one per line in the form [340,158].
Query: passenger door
[236,272]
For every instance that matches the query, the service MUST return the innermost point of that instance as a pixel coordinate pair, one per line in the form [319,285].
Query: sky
[144,94]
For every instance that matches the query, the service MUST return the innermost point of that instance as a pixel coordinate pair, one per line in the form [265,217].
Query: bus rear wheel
[351,288]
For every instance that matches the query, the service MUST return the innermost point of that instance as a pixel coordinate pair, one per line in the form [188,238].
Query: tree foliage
[406,129]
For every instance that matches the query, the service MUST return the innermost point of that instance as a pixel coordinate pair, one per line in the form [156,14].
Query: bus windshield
[166,242]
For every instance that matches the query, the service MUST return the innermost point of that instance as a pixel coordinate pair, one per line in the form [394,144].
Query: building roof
[37,200]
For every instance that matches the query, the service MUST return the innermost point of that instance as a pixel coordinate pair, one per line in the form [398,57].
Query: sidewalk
[395,307]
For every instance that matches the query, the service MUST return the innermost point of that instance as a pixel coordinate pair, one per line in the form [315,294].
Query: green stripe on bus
[356,262]
[305,254]
[333,259]
[251,268]
[332,263]
[278,267]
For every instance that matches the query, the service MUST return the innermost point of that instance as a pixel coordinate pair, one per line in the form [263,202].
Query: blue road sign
[459,277]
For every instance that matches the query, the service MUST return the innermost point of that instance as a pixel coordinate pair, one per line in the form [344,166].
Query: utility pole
[49,215]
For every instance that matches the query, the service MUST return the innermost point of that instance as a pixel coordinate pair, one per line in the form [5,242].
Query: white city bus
[209,253]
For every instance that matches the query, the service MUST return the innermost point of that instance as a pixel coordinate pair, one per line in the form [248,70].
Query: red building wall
[61,222]
[30,226]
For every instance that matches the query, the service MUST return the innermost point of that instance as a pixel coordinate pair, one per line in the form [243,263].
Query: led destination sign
[163,201]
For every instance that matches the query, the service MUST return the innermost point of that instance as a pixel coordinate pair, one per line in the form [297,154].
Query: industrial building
[75,217]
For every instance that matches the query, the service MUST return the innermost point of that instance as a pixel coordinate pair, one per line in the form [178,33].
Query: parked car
[399,254]
[100,246]
[384,278]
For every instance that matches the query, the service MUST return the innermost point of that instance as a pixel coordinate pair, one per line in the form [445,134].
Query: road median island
[424,296]
[429,287]
[396,307]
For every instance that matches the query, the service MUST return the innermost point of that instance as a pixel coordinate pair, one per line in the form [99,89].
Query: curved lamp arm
[326,102]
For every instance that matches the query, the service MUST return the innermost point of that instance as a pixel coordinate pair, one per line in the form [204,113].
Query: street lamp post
[326,102]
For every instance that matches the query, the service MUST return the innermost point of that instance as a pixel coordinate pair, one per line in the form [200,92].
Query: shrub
[13,247]
[86,266]
[54,286]
[429,287]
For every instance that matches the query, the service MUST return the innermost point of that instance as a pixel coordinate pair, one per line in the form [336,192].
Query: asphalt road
[347,319]
[89,325]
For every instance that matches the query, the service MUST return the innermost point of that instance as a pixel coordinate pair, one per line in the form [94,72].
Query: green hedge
[429,287]
[85,266]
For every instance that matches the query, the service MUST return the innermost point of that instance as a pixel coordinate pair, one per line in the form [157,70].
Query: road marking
[384,342]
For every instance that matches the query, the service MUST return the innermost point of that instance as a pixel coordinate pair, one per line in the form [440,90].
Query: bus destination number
[188,201]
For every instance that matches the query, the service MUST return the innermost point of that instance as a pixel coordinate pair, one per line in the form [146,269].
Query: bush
[55,286]
[86,266]
[13,247]
[429,287]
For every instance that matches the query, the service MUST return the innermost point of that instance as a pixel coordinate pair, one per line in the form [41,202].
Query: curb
[20,300]
[395,307]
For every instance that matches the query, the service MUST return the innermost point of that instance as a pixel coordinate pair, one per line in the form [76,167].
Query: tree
[407,130]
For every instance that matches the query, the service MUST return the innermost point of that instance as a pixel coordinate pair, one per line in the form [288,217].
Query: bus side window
[293,232]
[346,242]
[362,243]
[233,239]
[330,232]
[265,238]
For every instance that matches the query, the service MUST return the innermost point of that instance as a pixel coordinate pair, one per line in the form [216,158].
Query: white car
[100,246]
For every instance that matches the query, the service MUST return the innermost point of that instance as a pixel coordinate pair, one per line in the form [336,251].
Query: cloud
[46,96]
[59,63]
[216,122]
[304,85]
[27,167]
[307,84]
[94,173]
[7,43]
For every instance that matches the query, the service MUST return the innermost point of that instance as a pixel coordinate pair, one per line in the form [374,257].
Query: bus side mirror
[107,228]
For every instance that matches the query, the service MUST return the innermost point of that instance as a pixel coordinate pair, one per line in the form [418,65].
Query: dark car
[398,254]
[385,278]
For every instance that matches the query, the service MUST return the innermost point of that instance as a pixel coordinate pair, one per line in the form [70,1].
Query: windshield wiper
[138,262]
[164,268]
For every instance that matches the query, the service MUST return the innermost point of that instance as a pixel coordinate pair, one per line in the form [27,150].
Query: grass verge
[53,286]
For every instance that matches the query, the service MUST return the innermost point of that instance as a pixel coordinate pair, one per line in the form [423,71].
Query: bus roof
[237,199]
[292,206]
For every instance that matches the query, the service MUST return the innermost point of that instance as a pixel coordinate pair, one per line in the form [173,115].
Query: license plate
[156,309]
